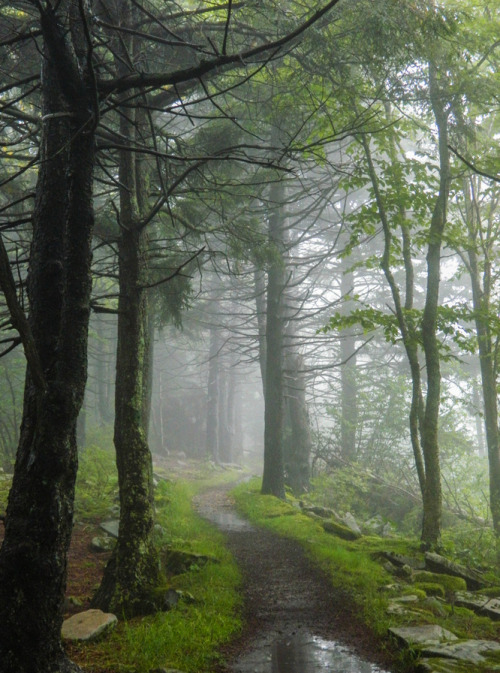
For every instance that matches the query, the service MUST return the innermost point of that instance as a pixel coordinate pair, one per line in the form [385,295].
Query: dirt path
[289,605]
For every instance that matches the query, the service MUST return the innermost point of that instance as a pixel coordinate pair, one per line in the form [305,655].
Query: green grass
[188,636]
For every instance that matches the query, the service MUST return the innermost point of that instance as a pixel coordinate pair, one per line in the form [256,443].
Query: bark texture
[33,557]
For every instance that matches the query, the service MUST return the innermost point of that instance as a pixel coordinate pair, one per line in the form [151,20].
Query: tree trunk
[431,525]
[273,476]
[348,382]
[260,305]
[298,442]
[212,446]
[33,557]
[133,568]
[481,304]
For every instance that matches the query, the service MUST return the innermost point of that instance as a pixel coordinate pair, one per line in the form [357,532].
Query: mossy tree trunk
[33,557]
[132,570]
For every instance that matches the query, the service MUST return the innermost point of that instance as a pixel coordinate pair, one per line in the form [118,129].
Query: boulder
[420,636]
[323,512]
[400,560]
[492,609]
[469,651]
[440,564]
[110,527]
[88,625]
[176,562]
[466,599]
[331,526]
[102,543]
[349,521]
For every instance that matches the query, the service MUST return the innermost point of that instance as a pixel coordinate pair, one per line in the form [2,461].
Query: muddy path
[295,622]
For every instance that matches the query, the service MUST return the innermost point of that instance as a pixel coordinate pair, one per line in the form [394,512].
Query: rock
[470,651]
[349,521]
[102,543]
[172,596]
[450,583]
[492,609]
[110,527]
[466,599]
[88,625]
[323,512]
[400,560]
[176,562]
[400,605]
[404,572]
[431,589]
[388,530]
[442,666]
[440,564]
[374,525]
[425,635]
[331,526]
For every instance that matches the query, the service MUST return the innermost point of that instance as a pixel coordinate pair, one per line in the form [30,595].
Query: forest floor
[284,594]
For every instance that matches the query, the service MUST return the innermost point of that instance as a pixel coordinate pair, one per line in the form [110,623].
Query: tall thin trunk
[431,525]
[212,437]
[273,476]
[260,305]
[348,375]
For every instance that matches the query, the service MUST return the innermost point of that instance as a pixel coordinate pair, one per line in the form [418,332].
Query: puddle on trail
[226,520]
[303,653]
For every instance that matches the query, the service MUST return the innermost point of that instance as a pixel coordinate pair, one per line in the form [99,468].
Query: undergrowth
[188,636]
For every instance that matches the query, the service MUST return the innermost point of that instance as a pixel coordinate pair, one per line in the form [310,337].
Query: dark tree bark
[33,557]
[132,571]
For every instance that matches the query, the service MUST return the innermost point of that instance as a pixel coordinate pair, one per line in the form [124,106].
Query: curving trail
[295,622]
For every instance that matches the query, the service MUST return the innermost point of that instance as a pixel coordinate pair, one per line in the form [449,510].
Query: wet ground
[295,621]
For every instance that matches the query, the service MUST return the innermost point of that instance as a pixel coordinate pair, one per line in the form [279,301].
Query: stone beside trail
[88,625]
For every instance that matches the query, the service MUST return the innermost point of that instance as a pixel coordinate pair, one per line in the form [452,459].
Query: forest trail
[295,622]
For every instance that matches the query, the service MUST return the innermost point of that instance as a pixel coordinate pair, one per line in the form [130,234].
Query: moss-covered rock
[449,583]
[492,592]
[340,530]
[431,588]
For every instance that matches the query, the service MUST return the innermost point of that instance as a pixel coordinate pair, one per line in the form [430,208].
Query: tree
[39,513]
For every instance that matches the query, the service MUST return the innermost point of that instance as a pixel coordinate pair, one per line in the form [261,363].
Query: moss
[415,590]
[340,530]
[492,592]
[431,588]
[449,583]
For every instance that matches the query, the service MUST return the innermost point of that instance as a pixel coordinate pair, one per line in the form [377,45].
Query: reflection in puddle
[304,653]
[227,520]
